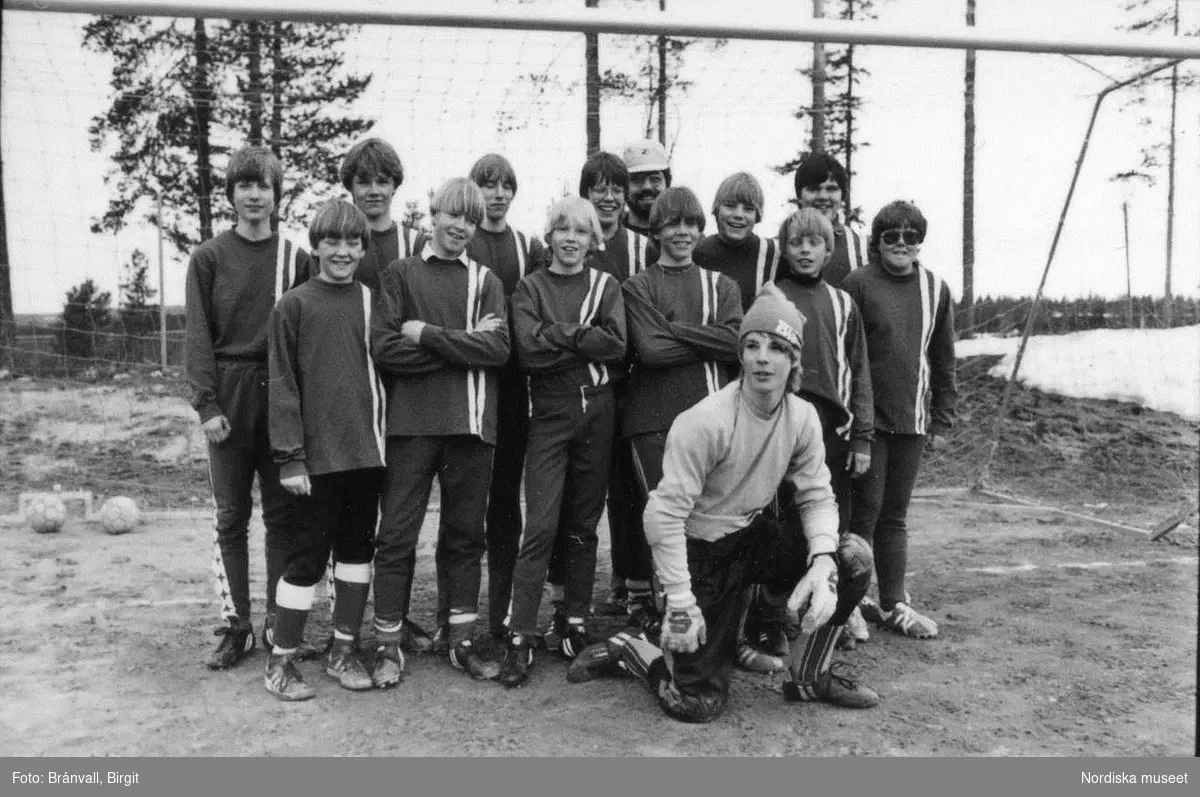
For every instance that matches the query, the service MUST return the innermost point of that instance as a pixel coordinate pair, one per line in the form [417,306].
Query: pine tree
[843,76]
[172,126]
[86,311]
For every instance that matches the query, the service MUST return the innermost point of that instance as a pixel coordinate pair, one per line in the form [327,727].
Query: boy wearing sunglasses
[908,316]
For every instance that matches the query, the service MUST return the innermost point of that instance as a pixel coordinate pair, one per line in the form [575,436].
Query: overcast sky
[443,96]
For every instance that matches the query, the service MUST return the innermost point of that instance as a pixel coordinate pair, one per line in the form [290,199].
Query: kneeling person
[326,425]
[724,459]
[570,330]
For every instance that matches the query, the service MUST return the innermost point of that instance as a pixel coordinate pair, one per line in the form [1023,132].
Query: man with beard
[649,175]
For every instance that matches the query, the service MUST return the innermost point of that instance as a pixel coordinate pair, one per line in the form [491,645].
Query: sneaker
[832,688]
[518,658]
[594,661]
[284,680]
[855,633]
[617,603]
[574,641]
[440,644]
[555,633]
[463,656]
[236,643]
[389,665]
[415,639]
[346,665]
[902,619]
[754,660]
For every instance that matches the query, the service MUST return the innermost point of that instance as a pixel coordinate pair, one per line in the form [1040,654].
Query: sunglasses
[893,237]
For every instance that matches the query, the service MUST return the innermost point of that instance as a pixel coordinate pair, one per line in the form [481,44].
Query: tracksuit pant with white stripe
[566,478]
[463,467]
[880,508]
[232,465]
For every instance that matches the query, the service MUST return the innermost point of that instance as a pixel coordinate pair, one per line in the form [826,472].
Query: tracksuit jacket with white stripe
[232,284]
[327,405]
[383,248]
[623,255]
[834,356]
[751,262]
[570,331]
[683,326]
[909,323]
[445,384]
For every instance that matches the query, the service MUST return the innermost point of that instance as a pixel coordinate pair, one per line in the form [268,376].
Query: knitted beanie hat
[773,314]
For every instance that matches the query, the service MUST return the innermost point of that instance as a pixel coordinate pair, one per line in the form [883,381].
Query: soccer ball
[119,515]
[45,513]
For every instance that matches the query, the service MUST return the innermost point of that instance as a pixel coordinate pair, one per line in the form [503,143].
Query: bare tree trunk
[592,79]
[8,320]
[1128,271]
[279,78]
[968,242]
[818,86]
[1168,299]
[661,97]
[846,200]
[254,89]
[202,103]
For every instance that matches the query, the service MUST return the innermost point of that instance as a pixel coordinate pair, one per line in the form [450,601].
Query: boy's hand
[411,331]
[683,628]
[935,442]
[216,428]
[818,591]
[297,485]
[489,323]
[858,464]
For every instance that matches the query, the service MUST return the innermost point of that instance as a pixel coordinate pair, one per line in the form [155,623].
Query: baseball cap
[645,156]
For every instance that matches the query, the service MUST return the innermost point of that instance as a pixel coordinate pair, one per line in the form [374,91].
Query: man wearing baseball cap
[649,175]
[710,538]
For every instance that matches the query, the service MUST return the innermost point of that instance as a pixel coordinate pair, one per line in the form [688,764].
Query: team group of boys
[752,411]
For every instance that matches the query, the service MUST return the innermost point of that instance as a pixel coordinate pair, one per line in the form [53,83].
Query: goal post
[791,28]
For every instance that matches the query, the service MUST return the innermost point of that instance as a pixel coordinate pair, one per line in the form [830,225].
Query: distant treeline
[1008,314]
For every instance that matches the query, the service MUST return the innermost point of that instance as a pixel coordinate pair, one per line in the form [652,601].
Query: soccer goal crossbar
[629,21]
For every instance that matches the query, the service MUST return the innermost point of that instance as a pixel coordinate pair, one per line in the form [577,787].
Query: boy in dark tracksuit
[735,250]
[441,337]
[371,172]
[623,252]
[682,322]
[836,376]
[510,255]
[908,316]
[233,281]
[570,327]
[327,425]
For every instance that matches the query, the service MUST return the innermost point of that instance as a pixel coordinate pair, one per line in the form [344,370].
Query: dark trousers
[623,494]
[880,508]
[232,465]
[463,466]
[694,686]
[645,470]
[837,455]
[338,517]
[504,501]
[566,473]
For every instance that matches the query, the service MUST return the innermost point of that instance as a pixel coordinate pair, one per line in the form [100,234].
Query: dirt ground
[1059,637]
